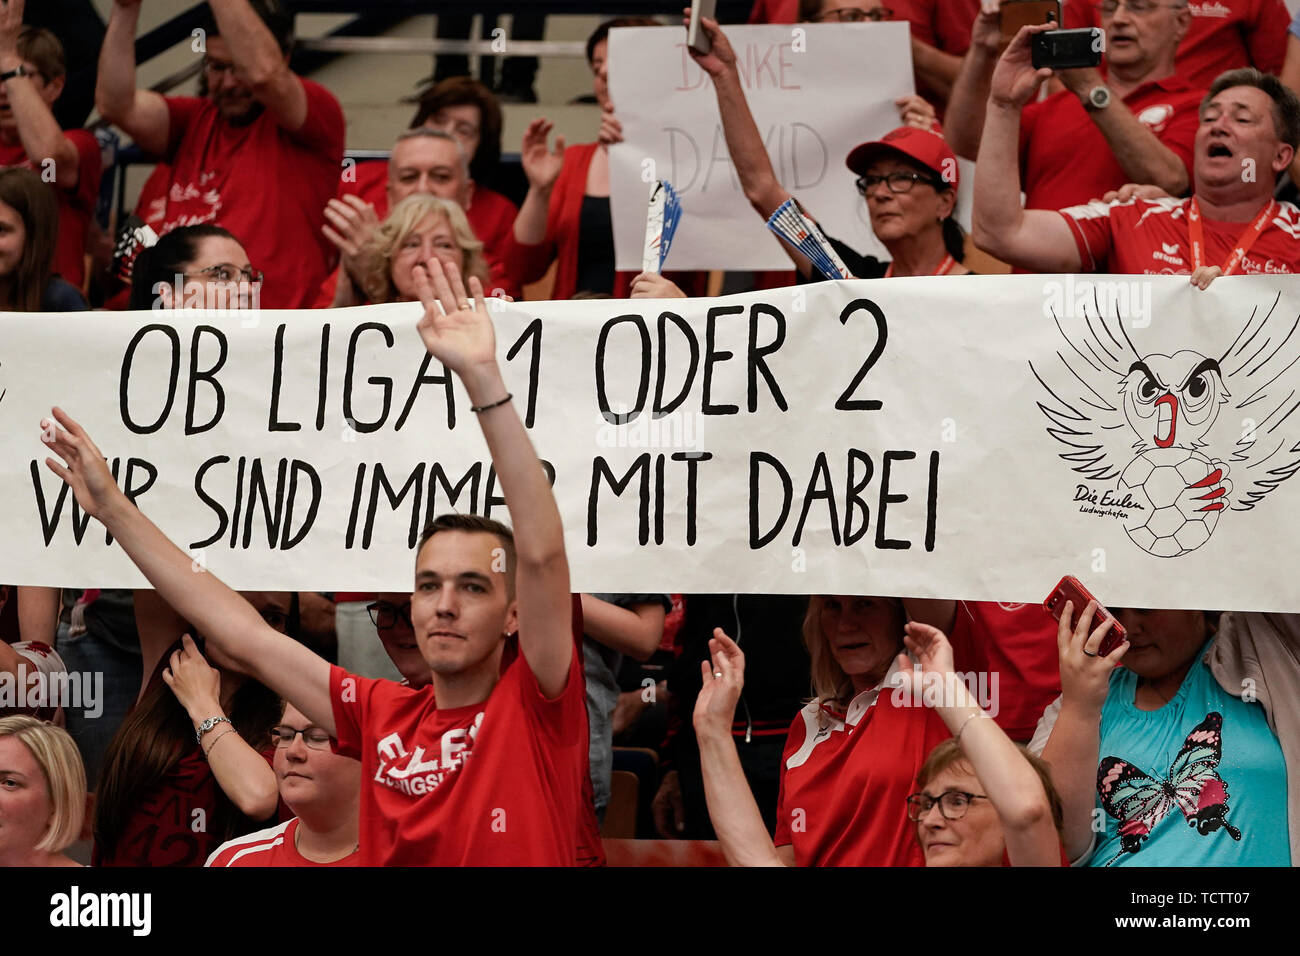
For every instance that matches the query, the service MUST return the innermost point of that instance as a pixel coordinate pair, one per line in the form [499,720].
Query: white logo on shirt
[412,773]
[1209,10]
[1165,254]
[1156,116]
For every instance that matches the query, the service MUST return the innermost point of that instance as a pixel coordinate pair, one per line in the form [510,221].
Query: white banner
[972,437]
[816,91]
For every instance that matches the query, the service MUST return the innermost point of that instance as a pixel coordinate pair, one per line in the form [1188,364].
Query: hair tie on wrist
[484,408]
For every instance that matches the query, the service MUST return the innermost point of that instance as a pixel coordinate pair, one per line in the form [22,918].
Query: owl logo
[1156,425]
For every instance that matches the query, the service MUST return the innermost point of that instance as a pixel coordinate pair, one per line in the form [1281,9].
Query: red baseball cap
[922,146]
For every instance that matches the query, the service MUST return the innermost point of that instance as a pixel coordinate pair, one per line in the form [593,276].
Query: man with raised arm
[261,155]
[518,710]
[1248,133]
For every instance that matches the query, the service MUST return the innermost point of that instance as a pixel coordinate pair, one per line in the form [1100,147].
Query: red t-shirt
[491,217]
[1064,158]
[1151,237]
[273,846]
[172,826]
[944,24]
[517,802]
[844,788]
[76,205]
[1018,644]
[1224,35]
[267,185]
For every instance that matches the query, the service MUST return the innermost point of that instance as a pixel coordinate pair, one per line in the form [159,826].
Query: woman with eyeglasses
[323,791]
[876,725]
[908,180]
[195,267]
[190,766]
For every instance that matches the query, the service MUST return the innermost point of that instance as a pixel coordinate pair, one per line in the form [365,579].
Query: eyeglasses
[317,738]
[897,182]
[213,68]
[953,804]
[854,15]
[384,615]
[1135,7]
[227,273]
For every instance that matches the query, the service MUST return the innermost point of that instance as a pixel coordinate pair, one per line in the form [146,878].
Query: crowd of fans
[279,729]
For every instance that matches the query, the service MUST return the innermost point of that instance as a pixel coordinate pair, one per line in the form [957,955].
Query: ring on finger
[717,675]
[1090,653]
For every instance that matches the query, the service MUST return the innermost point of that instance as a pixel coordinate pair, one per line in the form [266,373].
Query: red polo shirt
[1064,158]
[1224,35]
[1151,237]
[845,779]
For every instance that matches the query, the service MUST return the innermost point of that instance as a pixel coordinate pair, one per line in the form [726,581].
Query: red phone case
[1070,588]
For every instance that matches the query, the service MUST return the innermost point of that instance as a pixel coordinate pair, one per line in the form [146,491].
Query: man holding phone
[1133,125]
[1248,134]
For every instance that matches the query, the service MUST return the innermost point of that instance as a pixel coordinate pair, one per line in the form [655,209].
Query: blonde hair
[65,777]
[377,256]
[948,754]
[830,685]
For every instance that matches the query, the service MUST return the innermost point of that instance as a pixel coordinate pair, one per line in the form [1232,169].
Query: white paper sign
[815,94]
[964,437]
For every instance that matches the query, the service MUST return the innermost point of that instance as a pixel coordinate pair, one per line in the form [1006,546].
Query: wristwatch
[19,70]
[207,725]
[1098,99]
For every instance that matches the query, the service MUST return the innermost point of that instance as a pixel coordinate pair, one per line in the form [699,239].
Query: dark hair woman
[201,266]
[173,787]
[29,227]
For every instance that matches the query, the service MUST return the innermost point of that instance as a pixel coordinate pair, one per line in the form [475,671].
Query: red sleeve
[1266,35]
[1179,134]
[558,718]
[349,697]
[323,127]
[792,743]
[181,111]
[1090,224]
[1078,14]
[89,166]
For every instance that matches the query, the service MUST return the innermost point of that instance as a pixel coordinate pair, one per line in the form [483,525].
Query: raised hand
[1015,81]
[986,31]
[541,165]
[197,685]
[83,467]
[933,654]
[351,223]
[724,679]
[721,57]
[1085,676]
[455,326]
[11,26]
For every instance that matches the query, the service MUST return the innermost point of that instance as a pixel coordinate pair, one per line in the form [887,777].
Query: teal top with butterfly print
[1199,782]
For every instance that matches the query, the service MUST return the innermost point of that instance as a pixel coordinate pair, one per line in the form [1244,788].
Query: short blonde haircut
[65,776]
[377,256]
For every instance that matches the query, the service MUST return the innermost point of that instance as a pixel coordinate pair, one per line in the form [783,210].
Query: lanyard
[1196,229]
[944,267]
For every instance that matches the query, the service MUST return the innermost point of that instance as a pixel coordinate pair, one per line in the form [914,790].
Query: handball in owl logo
[1181,493]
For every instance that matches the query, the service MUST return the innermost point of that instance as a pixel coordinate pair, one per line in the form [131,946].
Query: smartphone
[1014,14]
[1067,49]
[696,38]
[1071,588]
